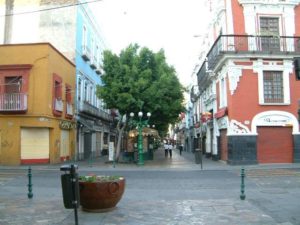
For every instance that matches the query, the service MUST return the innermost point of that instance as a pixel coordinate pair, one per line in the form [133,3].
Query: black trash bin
[70,186]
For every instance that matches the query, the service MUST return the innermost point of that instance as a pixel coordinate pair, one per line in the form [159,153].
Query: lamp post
[140,125]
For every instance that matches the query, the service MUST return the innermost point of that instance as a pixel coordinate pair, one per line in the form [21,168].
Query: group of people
[168,149]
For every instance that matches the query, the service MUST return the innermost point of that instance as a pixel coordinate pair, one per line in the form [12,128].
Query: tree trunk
[120,128]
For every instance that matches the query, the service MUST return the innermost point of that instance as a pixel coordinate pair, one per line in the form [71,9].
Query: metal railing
[13,102]
[245,44]
[92,110]
[58,105]
[251,44]
[69,109]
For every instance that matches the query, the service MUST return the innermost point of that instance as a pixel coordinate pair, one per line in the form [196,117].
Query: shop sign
[66,125]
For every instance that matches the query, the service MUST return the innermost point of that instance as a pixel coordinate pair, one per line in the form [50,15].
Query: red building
[248,82]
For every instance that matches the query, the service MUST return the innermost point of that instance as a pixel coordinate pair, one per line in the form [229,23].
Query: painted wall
[45,61]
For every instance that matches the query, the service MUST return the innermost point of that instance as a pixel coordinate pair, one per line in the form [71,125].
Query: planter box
[101,196]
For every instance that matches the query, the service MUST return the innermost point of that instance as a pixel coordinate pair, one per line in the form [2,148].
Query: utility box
[70,186]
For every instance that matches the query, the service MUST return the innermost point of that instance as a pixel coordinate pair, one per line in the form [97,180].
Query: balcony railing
[94,63]
[59,105]
[13,102]
[245,44]
[99,69]
[69,109]
[86,53]
[94,111]
[251,44]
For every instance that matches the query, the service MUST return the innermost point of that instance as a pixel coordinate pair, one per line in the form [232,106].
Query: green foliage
[95,178]
[140,79]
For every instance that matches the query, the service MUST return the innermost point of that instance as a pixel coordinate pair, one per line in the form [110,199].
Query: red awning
[222,112]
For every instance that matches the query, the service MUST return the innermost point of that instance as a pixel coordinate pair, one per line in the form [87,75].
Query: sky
[173,25]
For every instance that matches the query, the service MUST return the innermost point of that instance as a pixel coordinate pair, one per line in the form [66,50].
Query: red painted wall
[244,101]
[238,18]
[243,104]
[297,20]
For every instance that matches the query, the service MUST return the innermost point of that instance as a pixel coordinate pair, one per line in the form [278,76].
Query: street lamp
[140,125]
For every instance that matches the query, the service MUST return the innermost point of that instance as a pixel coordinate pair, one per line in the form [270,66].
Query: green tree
[139,79]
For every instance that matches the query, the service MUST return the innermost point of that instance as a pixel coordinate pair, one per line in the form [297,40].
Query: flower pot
[101,195]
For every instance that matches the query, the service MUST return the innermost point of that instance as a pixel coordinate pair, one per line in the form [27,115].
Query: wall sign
[66,125]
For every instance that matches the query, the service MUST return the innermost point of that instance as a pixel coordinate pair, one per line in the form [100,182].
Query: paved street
[163,192]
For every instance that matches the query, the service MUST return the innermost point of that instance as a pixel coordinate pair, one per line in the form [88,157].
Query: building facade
[247,88]
[69,26]
[36,105]
[95,123]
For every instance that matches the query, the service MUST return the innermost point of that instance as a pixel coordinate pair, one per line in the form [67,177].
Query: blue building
[94,121]
[72,29]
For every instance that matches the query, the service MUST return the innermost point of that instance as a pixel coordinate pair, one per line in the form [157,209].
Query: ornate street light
[140,124]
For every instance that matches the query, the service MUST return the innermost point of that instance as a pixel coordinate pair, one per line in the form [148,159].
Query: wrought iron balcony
[85,53]
[13,102]
[58,104]
[99,69]
[94,63]
[245,45]
[239,44]
[88,108]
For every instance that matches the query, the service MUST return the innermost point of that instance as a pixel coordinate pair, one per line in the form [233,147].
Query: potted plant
[100,193]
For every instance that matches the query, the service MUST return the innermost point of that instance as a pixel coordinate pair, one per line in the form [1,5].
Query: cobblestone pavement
[192,212]
[46,207]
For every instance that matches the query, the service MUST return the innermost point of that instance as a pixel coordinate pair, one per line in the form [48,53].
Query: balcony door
[269,27]
[12,98]
[13,84]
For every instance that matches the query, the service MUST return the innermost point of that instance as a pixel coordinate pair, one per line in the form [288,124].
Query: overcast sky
[168,24]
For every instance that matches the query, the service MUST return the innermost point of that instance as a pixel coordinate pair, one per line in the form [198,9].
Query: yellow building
[37,89]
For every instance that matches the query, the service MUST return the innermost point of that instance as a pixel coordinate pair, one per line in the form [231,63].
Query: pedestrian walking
[170,149]
[166,147]
[180,148]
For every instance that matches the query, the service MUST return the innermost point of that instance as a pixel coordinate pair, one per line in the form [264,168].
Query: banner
[111,151]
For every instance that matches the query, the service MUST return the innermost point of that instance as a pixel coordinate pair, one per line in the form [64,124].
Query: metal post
[140,145]
[75,200]
[30,194]
[201,159]
[242,196]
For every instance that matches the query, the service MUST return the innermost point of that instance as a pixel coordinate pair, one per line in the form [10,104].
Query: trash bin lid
[67,167]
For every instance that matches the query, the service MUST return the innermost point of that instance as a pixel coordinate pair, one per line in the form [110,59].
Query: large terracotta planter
[101,195]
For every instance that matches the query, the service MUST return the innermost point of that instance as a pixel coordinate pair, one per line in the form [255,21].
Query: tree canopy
[139,79]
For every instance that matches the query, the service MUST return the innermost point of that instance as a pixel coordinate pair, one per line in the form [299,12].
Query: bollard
[242,196]
[30,194]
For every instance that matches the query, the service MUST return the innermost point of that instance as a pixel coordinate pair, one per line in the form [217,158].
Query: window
[68,94]
[269,26]
[273,87]
[14,88]
[57,87]
[69,108]
[92,49]
[223,93]
[97,55]
[85,95]
[84,36]
[13,84]
[79,90]
[91,95]
[57,95]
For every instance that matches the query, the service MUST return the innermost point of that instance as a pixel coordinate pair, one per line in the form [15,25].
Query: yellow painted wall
[46,61]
